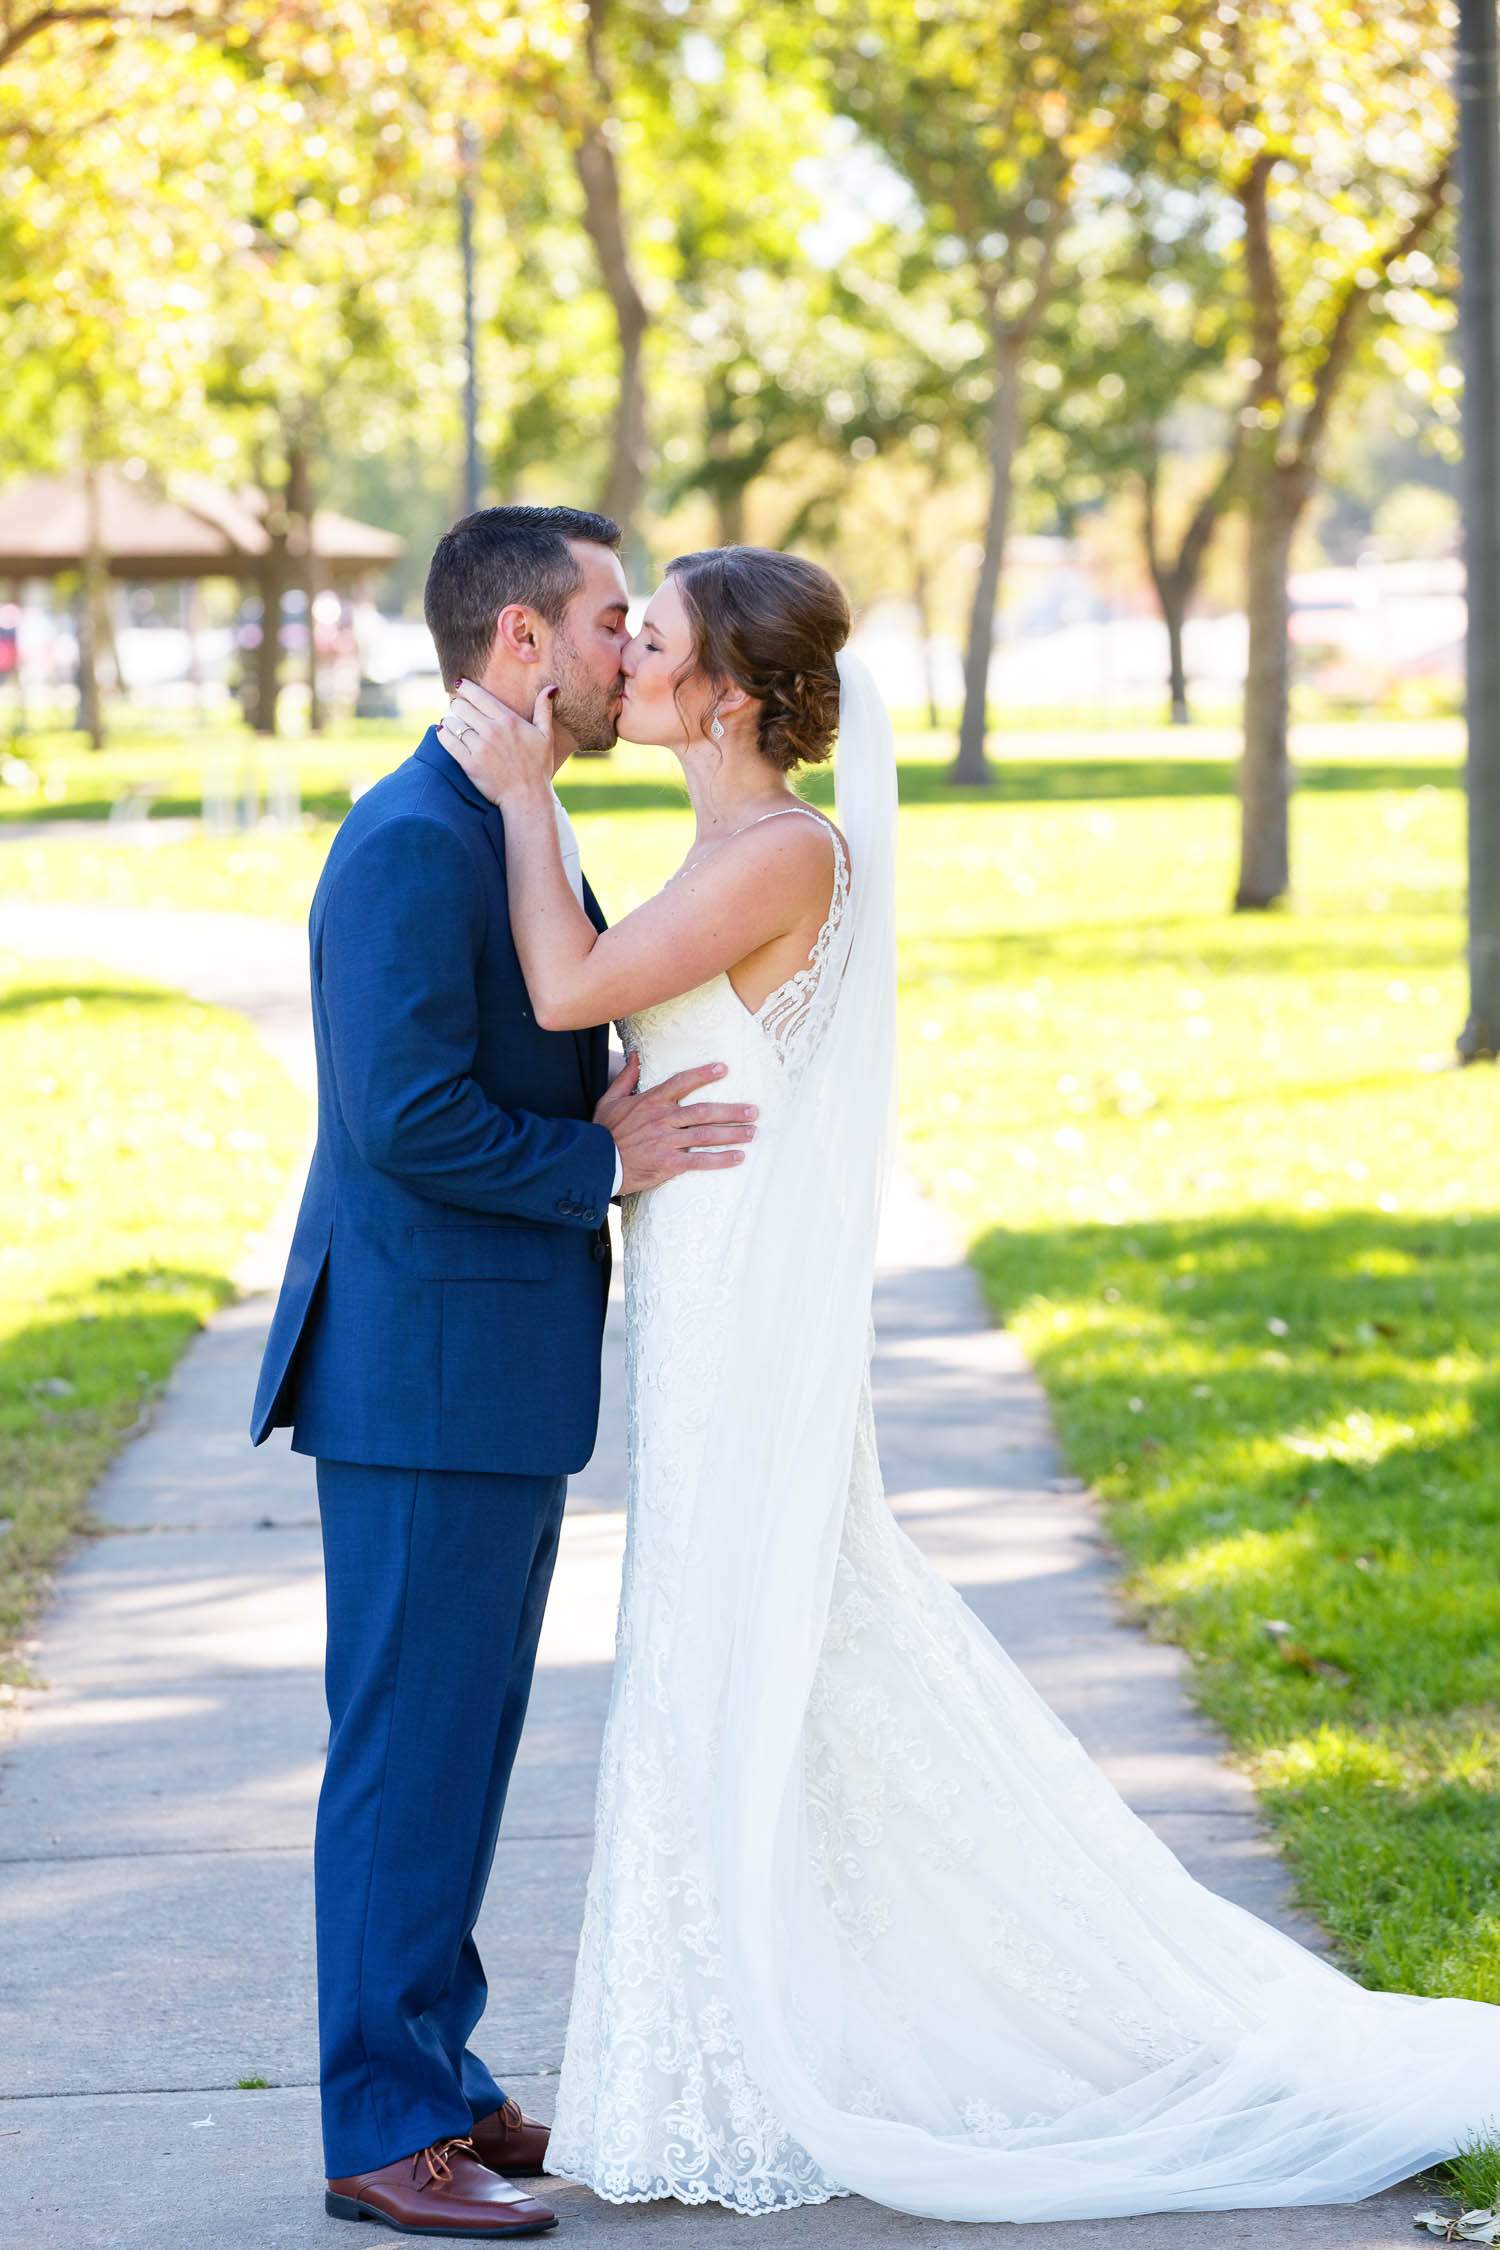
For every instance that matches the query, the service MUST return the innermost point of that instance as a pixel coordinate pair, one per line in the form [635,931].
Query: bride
[863,1916]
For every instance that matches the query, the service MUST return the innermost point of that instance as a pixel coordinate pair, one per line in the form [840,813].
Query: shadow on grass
[21,998]
[1040,781]
[1196,945]
[589,788]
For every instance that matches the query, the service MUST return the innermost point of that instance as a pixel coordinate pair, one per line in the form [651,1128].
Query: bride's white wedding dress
[862,1915]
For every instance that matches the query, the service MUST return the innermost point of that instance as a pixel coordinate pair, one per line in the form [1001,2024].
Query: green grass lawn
[163,769]
[147,1138]
[1220,1177]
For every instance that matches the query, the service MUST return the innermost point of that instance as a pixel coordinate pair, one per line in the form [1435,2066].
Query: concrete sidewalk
[157,1791]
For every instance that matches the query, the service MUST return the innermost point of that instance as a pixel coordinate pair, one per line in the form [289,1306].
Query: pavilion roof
[193,529]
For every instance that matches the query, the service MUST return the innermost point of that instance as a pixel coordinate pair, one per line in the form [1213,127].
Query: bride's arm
[757,886]
[753,889]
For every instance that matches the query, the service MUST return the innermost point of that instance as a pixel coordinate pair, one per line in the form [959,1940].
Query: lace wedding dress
[862,1915]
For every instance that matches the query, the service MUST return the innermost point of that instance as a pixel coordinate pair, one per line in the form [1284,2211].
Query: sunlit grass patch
[147,1137]
[1399,1834]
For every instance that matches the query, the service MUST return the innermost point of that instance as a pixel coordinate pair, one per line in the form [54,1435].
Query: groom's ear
[517,634]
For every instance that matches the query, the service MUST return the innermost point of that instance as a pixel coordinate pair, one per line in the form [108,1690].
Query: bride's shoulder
[807,856]
[809,836]
[798,864]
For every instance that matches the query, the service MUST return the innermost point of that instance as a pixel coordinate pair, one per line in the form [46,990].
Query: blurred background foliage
[898,284]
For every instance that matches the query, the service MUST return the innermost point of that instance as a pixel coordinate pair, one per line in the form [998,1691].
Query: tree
[596,76]
[988,109]
[260,248]
[110,324]
[1339,177]
[1137,391]
[594,159]
[22,21]
[755,359]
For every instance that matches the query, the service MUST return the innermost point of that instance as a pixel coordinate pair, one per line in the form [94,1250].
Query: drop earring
[716,727]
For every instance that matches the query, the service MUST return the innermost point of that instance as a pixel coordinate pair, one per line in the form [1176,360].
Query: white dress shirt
[573,868]
[567,837]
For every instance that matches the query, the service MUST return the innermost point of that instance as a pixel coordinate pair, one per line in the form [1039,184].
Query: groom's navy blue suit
[436,1346]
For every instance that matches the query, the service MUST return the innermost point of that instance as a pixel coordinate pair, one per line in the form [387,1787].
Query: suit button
[601,1251]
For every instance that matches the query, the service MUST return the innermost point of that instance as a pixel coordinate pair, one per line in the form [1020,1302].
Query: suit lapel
[430,752]
[593,1044]
[590,1045]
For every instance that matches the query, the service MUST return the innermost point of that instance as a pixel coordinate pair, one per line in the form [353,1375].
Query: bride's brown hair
[773,624]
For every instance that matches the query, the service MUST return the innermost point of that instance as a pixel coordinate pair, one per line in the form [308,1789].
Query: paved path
[157,1791]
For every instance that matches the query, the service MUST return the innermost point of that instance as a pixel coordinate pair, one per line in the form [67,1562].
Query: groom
[436,1348]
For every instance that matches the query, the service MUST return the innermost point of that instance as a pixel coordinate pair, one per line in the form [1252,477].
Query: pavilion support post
[273,582]
[192,621]
[18,677]
[316,715]
[299,500]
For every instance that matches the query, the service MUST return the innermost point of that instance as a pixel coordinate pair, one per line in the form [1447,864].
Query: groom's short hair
[498,556]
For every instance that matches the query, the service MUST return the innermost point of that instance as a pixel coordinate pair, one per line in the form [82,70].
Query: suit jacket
[443,1303]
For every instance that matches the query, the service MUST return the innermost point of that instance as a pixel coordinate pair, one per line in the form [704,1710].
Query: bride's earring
[716,727]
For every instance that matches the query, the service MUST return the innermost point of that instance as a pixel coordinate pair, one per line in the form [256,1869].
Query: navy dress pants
[436,1583]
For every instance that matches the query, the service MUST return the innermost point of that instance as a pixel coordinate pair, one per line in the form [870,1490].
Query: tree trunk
[273,583]
[93,621]
[1265,773]
[604,222]
[1176,582]
[1479,239]
[468,154]
[921,596]
[1174,609]
[972,768]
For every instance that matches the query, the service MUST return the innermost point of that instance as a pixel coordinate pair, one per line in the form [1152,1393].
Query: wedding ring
[458,727]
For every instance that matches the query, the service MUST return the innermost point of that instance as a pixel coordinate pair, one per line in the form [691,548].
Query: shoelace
[439,2170]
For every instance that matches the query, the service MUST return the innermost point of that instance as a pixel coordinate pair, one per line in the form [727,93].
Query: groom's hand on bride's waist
[661,1133]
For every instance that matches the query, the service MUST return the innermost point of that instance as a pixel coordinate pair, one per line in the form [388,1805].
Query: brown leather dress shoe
[509,2142]
[443,2189]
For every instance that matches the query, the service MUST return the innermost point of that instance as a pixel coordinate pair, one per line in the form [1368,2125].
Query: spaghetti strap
[840,848]
[781,813]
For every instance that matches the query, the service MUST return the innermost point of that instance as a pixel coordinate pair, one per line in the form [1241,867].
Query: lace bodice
[779,1032]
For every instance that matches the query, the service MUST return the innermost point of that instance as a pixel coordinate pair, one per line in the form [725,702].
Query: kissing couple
[862,1915]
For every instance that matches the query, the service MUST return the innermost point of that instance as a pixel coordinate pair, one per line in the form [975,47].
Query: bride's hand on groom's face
[501,752]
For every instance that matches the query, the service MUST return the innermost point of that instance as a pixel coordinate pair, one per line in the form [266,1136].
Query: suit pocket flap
[483,1253]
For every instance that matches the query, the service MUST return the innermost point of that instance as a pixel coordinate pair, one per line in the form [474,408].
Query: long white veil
[787,1403]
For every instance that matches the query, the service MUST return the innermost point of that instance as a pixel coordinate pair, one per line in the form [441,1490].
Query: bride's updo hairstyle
[773,625]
